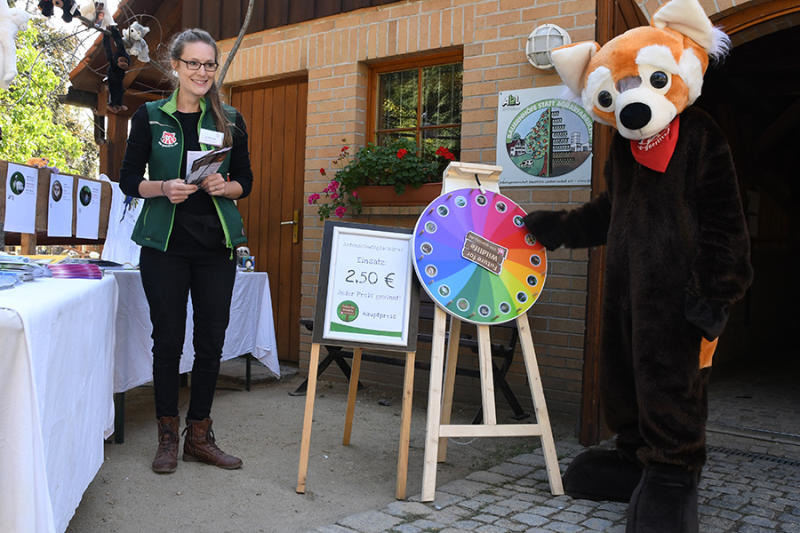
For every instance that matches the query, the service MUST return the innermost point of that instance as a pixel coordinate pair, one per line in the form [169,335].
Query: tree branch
[229,60]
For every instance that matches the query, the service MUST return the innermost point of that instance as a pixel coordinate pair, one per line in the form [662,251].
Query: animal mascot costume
[677,256]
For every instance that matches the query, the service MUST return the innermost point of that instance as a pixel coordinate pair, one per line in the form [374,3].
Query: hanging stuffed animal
[46,7]
[118,63]
[96,13]
[69,9]
[12,21]
[133,37]
[677,256]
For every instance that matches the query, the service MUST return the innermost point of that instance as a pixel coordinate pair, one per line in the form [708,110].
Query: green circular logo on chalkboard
[347,311]
[17,183]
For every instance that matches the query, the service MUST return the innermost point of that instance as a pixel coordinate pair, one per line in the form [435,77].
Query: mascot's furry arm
[720,271]
[579,228]
[12,21]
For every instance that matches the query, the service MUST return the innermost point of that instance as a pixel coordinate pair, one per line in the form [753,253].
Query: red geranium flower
[313,198]
[322,171]
[401,153]
[340,211]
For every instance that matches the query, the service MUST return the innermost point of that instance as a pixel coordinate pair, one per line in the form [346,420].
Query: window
[419,100]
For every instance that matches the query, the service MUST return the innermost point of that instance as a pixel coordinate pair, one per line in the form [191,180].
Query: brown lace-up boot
[199,445]
[166,460]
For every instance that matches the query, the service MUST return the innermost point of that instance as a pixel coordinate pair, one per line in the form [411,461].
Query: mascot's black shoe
[665,501]
[602,475]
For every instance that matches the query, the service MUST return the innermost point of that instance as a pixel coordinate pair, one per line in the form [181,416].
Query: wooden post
[405,427]
[539,405]
[308,416]
[449,382]
[434,406]
[27,243]
[351,396]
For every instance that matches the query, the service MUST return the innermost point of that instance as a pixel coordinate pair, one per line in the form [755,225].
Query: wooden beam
[736,19]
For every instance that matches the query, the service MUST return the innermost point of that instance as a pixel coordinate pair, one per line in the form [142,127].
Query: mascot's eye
[659,79]
[604,99]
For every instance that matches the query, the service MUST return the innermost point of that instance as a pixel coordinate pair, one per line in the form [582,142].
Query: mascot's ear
[686,17]
[571,62]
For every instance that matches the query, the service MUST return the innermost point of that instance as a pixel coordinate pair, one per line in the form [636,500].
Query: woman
[187,233]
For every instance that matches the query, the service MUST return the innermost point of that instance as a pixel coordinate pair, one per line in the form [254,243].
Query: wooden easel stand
[440,401]
[405,417]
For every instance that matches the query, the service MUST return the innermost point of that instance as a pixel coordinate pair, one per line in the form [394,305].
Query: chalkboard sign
[366,294]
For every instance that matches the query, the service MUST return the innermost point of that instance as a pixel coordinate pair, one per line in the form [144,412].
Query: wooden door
[275,113]
[613,18]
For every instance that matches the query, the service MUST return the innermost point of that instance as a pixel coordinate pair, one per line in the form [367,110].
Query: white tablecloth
[56,408]
[250,329]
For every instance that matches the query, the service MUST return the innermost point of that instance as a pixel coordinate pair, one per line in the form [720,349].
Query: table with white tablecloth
[250,329]
[56,408]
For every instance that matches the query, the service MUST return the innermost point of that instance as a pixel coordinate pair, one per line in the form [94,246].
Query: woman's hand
[177,190]
[214,184]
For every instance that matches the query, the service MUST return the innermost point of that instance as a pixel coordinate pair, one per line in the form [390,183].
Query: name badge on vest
[211,137]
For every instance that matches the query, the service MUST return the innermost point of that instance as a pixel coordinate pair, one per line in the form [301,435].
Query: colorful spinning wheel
[475,258]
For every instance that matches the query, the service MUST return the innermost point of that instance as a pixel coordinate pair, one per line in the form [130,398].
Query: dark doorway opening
[755,97]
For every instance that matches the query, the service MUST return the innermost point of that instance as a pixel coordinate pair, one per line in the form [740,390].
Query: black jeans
[168,278]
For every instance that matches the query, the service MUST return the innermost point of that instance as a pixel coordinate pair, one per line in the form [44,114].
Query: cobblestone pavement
[740,491]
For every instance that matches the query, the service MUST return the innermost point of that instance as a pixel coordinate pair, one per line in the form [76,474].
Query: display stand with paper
[367,298]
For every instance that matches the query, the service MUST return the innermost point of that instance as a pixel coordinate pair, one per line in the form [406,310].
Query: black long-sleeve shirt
[137,154]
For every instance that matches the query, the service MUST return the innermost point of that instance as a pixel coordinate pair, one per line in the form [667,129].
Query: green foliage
[33,121]
[398,164]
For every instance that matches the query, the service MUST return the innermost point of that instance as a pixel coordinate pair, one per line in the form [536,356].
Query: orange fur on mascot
[677,257]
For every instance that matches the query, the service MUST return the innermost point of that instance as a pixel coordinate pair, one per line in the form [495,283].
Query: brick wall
[335,52]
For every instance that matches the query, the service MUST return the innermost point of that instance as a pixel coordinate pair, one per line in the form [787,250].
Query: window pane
[449,138]
[397,100]
[386,138]
[441,86]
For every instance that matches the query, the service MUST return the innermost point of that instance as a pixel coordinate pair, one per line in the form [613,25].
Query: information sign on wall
[366,295]
[543,138]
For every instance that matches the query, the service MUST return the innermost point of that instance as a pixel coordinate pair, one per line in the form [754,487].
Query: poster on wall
[59,206]
[366,295]
[87,216]
[543,138]
[21,185]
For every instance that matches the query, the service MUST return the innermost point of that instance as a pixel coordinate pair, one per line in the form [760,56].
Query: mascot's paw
[546,227]
[665,501]
[602,475]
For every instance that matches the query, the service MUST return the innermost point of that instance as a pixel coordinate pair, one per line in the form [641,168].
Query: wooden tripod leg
[351,396]
[308,416]
[405,427]
[487,377]
[434,406]
[449,381]
[539,405]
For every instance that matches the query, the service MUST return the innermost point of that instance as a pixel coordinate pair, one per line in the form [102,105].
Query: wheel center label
[484,252]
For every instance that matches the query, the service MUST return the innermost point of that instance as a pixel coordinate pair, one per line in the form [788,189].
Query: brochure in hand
[200,164]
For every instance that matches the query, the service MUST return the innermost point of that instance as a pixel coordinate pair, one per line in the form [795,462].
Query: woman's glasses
[195,65]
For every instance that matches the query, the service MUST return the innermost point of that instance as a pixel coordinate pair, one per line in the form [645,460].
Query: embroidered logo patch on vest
[168,139]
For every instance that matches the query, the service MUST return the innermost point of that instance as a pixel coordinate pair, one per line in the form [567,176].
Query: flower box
[377,195]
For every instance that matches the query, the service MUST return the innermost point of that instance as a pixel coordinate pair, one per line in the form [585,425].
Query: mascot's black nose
[635,116]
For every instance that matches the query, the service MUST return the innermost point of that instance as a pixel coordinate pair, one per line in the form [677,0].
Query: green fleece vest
[154,226]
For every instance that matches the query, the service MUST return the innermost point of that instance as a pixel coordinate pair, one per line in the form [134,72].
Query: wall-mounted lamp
[543,39]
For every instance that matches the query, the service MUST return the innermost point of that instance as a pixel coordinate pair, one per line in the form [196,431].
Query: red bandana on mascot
[677,256]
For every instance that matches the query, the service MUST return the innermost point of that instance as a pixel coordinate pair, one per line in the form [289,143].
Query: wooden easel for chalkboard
[440,399]
[411,303]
